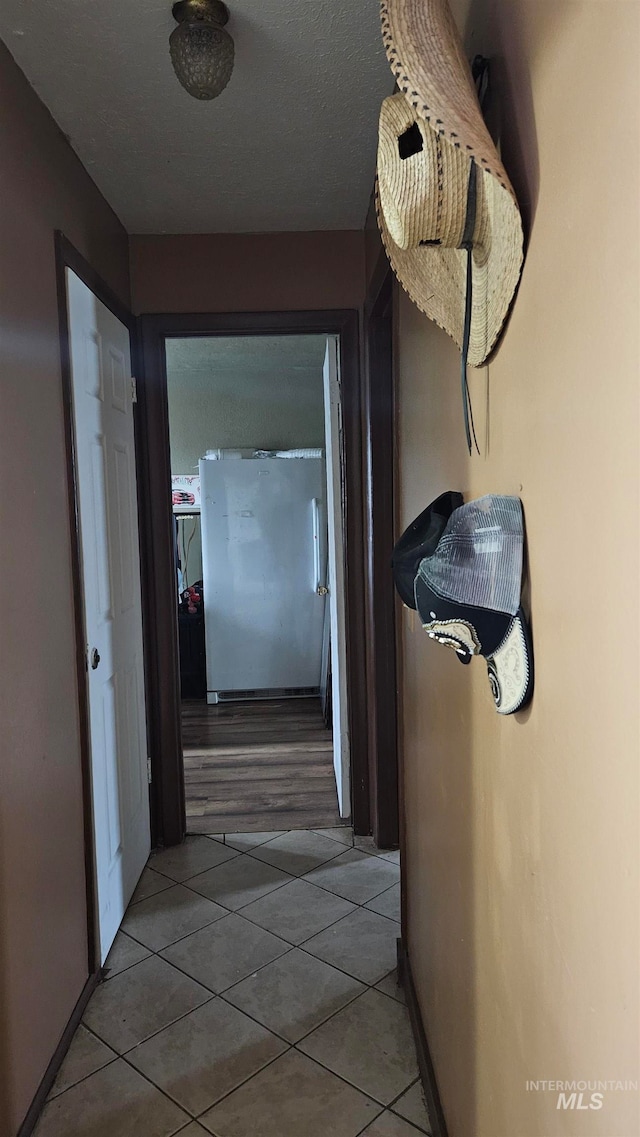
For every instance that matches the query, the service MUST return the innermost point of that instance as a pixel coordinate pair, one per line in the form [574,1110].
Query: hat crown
[423,179]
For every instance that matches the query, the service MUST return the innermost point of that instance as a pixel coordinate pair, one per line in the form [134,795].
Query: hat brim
[427,58]
[502,640]
[435,277]
[510,668]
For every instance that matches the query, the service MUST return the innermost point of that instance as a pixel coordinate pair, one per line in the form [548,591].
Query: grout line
[360,1131]
[132,903]
[298,876]
[275,888]
[172,943]
[273,1030]
[179,1018]
[109,1062]
[309,1059]
[108,978]
[253,971]
[244,1082]
[344,1078]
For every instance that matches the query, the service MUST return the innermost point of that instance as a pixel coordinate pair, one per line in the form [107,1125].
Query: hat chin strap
[467,243]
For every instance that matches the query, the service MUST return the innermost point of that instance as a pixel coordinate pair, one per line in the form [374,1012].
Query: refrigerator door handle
[319,586]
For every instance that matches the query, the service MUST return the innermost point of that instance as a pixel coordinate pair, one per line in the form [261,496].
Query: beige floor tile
[169,916]
[293,1097]
[390,986]
[206,1055]
[413,1107]
[363,943]
[341,833]
[387,903]
[294,994]
[392,855]
[194,855]
[140,1001]
[370,1044]
[150,882]
[298,852]
[388,1125]
[297,911]
[114,1102]
[224,953]
[239,881]
[85,1055]
[194,1130]
[124,953]
[246,841]
[356,875]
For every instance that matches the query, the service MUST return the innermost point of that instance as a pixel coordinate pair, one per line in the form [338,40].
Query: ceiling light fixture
[201,50]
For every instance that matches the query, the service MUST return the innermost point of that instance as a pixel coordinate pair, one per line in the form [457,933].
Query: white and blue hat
[467,593]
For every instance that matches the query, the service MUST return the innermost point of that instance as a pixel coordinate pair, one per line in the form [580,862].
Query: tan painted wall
[252,272]
[522,832]
[43,955]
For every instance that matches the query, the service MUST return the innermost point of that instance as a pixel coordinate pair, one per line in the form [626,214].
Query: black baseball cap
[467,592]
[420,540]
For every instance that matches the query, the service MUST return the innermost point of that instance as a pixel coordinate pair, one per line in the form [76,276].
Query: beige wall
[253,272]
[522,832]
[43,953]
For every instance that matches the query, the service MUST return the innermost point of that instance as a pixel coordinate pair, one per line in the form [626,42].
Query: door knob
[95,658]
[322,590]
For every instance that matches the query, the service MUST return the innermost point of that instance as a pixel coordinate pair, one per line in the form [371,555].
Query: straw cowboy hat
[448,215]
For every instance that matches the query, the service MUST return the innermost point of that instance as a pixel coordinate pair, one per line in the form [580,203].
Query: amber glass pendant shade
[201,50]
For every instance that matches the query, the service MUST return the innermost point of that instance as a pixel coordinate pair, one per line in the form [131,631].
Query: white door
[335,497]
[106,487]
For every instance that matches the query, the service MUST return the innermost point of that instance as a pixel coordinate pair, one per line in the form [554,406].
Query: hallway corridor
[250,993]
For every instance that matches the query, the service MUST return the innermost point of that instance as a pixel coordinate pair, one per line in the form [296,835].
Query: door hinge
[134,390]
[149,774]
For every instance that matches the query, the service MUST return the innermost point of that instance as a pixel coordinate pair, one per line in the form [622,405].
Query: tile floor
[249,993]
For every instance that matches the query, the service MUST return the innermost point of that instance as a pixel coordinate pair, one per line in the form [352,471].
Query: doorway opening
[341,328]
[257,502]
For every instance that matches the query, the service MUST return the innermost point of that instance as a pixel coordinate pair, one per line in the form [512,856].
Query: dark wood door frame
[168,807]
[379,461]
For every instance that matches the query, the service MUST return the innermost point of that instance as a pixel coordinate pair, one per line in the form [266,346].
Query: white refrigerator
[264,567]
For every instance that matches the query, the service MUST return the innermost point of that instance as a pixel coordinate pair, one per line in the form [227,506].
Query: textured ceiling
[289,145]
[254,358]
[253,391]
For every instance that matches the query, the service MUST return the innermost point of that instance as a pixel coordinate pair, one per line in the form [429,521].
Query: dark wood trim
[379,461]
[166,752]
[37,1105]
[425,1064]
[69,257]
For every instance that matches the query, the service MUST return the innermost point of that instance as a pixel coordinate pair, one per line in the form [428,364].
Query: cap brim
[510,668]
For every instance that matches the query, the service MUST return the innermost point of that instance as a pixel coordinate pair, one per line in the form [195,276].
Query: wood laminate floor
[258,766]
